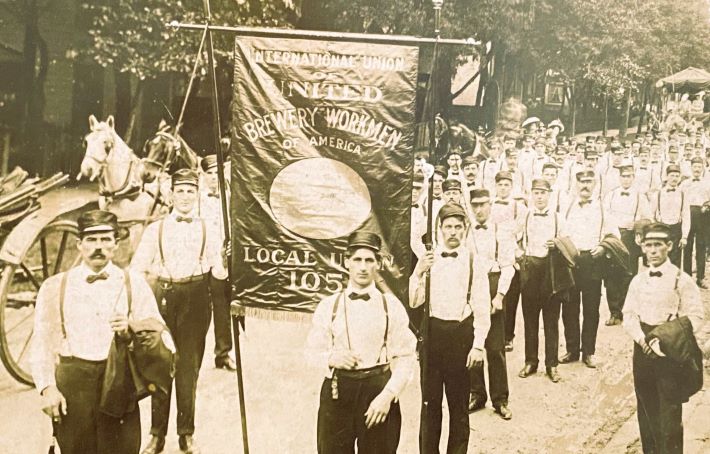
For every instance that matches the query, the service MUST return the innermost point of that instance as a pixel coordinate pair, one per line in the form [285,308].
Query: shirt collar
[370,289]
[666,267]
[84,270]
[442,248]
[174,214]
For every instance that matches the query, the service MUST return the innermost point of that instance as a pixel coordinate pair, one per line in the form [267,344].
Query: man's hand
[119,324]
[655,345]
[424,264]
[475,358]
[647,350]
[53,403]
[550,244]
[379,409]
[226,252]
[497,303]
[597,251]
[682,243]
[343,359]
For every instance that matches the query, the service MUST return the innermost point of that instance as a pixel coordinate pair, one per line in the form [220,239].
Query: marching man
[459,319]
[360,339]
[657,295]
[181,251]
[78,314]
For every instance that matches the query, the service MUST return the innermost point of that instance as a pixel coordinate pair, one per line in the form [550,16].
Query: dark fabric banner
[324,134]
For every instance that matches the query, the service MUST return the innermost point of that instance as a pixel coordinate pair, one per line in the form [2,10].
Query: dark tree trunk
[606,115]
[625,114]
[642,115]
[123,101]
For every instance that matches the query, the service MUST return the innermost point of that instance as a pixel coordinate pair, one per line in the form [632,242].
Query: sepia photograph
[331,227]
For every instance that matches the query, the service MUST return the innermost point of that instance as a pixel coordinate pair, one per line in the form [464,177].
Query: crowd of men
[540,221]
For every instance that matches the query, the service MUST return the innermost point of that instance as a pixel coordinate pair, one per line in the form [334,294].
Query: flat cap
[365,239]
[451,184]
[585,175]
[504,175]
[208,162]
[451,210]
[672,168]
[185,176]
[539,183]
[657,231]
[480,196]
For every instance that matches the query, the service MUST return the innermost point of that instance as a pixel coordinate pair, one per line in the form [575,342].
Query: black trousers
[537,297]
[187,315]
[495,358]
[676,234]
[616,281]
[341,421]
[85,429]
[660,413]
[587,294]
[696,238]
[510,303]
[221,317]
[449,344]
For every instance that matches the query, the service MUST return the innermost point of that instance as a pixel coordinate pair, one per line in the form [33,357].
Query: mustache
[97,254]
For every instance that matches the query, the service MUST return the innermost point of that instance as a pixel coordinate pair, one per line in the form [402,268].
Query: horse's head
[99,143]
[166,151]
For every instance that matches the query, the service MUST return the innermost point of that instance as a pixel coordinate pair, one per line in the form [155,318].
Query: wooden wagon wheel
[53,251]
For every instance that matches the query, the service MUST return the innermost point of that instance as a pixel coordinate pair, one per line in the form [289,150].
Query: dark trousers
[537,297]
[85,429]
[495,356]
[510,303]
[221,317]
[696,238]
[616,281]
[341,421]
[449,344]
[676,234]
[587,294]
[660,414]
[187,315]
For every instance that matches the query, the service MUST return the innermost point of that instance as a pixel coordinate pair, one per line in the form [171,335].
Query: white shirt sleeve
[47,335]
[401,347]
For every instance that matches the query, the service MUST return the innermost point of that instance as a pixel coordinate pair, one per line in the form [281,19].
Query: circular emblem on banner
[319,198]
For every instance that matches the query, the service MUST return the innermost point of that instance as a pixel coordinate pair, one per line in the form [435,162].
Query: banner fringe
[280,316]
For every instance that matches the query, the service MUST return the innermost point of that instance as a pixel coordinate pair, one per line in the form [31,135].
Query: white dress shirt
[670,206]
[697,191]
[182,244]
[209,208]
[587,225]
[450,277]
[494,247]
[626,206]
[366,332]
[87,310]
[507,210]
[655,300]
[537,228]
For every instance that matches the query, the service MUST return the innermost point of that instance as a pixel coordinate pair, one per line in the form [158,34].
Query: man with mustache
[670,206]
[586,225]
[181,251]
[360,339]
[77,317]
[459,319]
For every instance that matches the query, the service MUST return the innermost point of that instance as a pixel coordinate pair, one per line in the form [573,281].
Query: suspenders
[680,213]
[62,295]
[160,244]
[525,231]
[341,296]
[601,210]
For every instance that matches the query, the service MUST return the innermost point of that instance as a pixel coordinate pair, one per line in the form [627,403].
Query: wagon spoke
[19,323]
[30,276]
[60,253]
[43,251]
[24,347]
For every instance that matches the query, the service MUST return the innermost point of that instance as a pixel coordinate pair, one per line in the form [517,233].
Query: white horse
[118,170]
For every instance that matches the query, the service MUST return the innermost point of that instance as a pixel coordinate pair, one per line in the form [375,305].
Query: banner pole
[429,243]
[216,128]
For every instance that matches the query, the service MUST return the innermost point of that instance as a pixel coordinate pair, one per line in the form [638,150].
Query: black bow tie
[450,254]
[624,193]
[643,168]
[482,226]
[183,219]
[359,296]
[91,278]
[584,202]
[437,198]
[211,194]
[415,205]
[670,190]
[696,179]
[501,202]
[655,274]
[540,214]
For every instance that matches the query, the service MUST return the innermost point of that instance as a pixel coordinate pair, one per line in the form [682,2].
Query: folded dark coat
[617,257]
[679,345]
[562,261]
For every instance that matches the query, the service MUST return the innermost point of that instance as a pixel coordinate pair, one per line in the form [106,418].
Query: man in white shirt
[697,192]
[453,347]
[360,339]
[506,208]
[537,231]
[470,171]
[494,246]
[656,296]
[489,167]
[78,315]
[624,206]
[210,209]
[586,227]
[671,207]
[180,251]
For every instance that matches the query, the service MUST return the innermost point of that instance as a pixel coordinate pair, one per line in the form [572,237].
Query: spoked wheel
[53,251]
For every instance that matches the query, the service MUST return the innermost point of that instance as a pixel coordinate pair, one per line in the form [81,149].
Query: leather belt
[359,374]
[184,280]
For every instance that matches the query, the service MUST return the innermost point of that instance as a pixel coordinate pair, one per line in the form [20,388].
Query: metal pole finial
[437,4]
